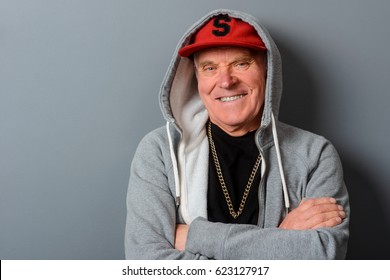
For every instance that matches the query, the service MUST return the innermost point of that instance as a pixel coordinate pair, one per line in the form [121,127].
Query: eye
[242,65]
[209,68]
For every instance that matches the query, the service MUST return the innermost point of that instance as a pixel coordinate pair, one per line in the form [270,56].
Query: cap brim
[191,49]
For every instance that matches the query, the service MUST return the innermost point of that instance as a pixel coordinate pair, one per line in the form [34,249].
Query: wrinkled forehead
[227,53]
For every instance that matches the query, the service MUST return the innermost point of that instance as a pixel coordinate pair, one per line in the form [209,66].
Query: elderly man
[224,179]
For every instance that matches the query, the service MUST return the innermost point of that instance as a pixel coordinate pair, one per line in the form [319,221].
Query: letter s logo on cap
[220,23]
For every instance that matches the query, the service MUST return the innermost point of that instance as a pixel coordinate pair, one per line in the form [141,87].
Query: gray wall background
[79,84]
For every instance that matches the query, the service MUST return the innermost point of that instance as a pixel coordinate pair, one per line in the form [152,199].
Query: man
[224,179]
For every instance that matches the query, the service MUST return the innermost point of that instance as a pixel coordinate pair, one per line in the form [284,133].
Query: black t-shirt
[237,157]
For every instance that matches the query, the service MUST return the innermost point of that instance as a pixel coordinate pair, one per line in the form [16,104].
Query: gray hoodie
[169,177]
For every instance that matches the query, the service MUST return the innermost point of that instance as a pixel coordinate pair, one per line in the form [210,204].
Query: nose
[226,79]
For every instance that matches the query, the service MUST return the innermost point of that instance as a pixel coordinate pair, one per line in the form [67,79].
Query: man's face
[231,84]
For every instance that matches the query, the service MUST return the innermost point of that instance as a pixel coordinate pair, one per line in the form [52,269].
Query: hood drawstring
[175,167]
[281,171]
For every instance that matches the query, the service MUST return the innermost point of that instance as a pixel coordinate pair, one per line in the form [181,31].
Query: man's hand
[181,236]
[314,213]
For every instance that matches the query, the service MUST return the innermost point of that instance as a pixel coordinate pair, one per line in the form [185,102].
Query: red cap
[223,30]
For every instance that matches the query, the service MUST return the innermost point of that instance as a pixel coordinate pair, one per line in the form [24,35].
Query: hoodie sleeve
[151,210]
[228,241]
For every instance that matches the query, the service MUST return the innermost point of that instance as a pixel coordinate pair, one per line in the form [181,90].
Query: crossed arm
[316,228]
[310,214]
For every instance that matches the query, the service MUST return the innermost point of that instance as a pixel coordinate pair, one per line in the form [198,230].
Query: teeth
[231,98]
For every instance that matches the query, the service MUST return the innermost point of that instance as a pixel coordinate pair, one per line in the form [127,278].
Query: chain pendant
[225,191]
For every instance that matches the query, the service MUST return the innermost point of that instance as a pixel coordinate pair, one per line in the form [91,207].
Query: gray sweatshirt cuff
[207,238]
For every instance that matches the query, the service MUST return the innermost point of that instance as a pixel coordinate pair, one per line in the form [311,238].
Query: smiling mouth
[231,98]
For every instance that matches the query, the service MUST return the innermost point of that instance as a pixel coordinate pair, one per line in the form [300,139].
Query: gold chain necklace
[222,181]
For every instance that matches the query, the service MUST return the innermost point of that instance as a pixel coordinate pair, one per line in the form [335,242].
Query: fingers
[314,213]
[311,202]
[329,223]
[322,212]
[316,209]
[326,219]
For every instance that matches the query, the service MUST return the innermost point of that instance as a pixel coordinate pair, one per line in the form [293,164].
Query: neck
[236,131]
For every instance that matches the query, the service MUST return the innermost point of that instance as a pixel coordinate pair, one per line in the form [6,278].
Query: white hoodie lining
[175,166]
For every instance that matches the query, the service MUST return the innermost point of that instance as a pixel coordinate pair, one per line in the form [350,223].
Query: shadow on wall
[299,102]
[369,228]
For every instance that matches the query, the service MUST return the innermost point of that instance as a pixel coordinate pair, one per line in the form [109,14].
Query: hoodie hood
[179,99]
[186,117]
